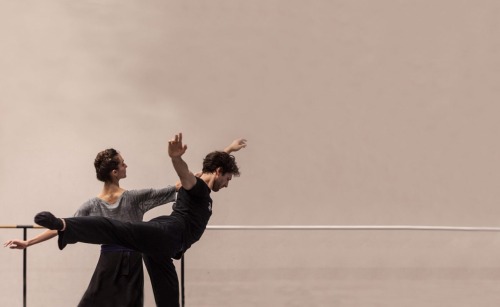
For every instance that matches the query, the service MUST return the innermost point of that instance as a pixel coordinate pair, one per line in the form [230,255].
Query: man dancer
[164,236]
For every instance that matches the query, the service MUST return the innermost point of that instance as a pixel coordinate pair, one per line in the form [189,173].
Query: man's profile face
[221,181]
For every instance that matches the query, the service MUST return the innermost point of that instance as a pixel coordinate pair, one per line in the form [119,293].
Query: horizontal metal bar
[324,227]
[350,227]
[20,226]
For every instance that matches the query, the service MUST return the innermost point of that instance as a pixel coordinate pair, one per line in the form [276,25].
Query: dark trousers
[159,240]
[164,280]
[160,235]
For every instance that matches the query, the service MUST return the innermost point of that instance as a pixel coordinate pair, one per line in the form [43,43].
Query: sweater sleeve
[84,209]
[148,199]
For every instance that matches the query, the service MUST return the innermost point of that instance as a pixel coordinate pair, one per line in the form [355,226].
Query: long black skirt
[118,281]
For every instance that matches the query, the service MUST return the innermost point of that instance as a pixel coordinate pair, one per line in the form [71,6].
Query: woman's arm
[21,244]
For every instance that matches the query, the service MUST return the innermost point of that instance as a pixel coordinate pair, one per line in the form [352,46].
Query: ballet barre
[352,227]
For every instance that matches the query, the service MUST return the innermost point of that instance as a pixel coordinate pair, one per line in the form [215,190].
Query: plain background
[356,113]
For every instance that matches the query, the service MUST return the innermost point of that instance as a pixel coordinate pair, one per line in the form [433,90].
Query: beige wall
[357,112]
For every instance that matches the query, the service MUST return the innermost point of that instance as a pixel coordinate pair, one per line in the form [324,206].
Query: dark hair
[220,159]
[104,163]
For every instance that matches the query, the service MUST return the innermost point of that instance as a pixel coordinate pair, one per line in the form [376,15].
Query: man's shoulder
[199,189]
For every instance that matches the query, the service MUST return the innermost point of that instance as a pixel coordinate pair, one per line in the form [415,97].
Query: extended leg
[146,237]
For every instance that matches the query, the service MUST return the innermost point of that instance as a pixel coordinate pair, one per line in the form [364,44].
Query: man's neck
[209,179]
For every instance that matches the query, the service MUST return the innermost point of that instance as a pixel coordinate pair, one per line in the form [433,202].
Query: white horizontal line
[350,227]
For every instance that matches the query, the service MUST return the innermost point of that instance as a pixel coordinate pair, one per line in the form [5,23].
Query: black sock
[48,220]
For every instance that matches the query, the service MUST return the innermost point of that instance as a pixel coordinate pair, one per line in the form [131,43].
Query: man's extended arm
[236,145]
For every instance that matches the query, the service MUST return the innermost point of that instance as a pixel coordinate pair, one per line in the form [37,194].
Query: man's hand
[175,147]
[16,244]
[236,145]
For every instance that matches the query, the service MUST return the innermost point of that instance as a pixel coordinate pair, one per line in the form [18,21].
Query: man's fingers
[177,138]
[242,142]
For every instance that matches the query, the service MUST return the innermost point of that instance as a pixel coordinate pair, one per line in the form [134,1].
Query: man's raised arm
[175,150]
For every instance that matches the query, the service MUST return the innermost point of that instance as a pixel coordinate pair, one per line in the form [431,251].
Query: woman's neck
[111,192]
